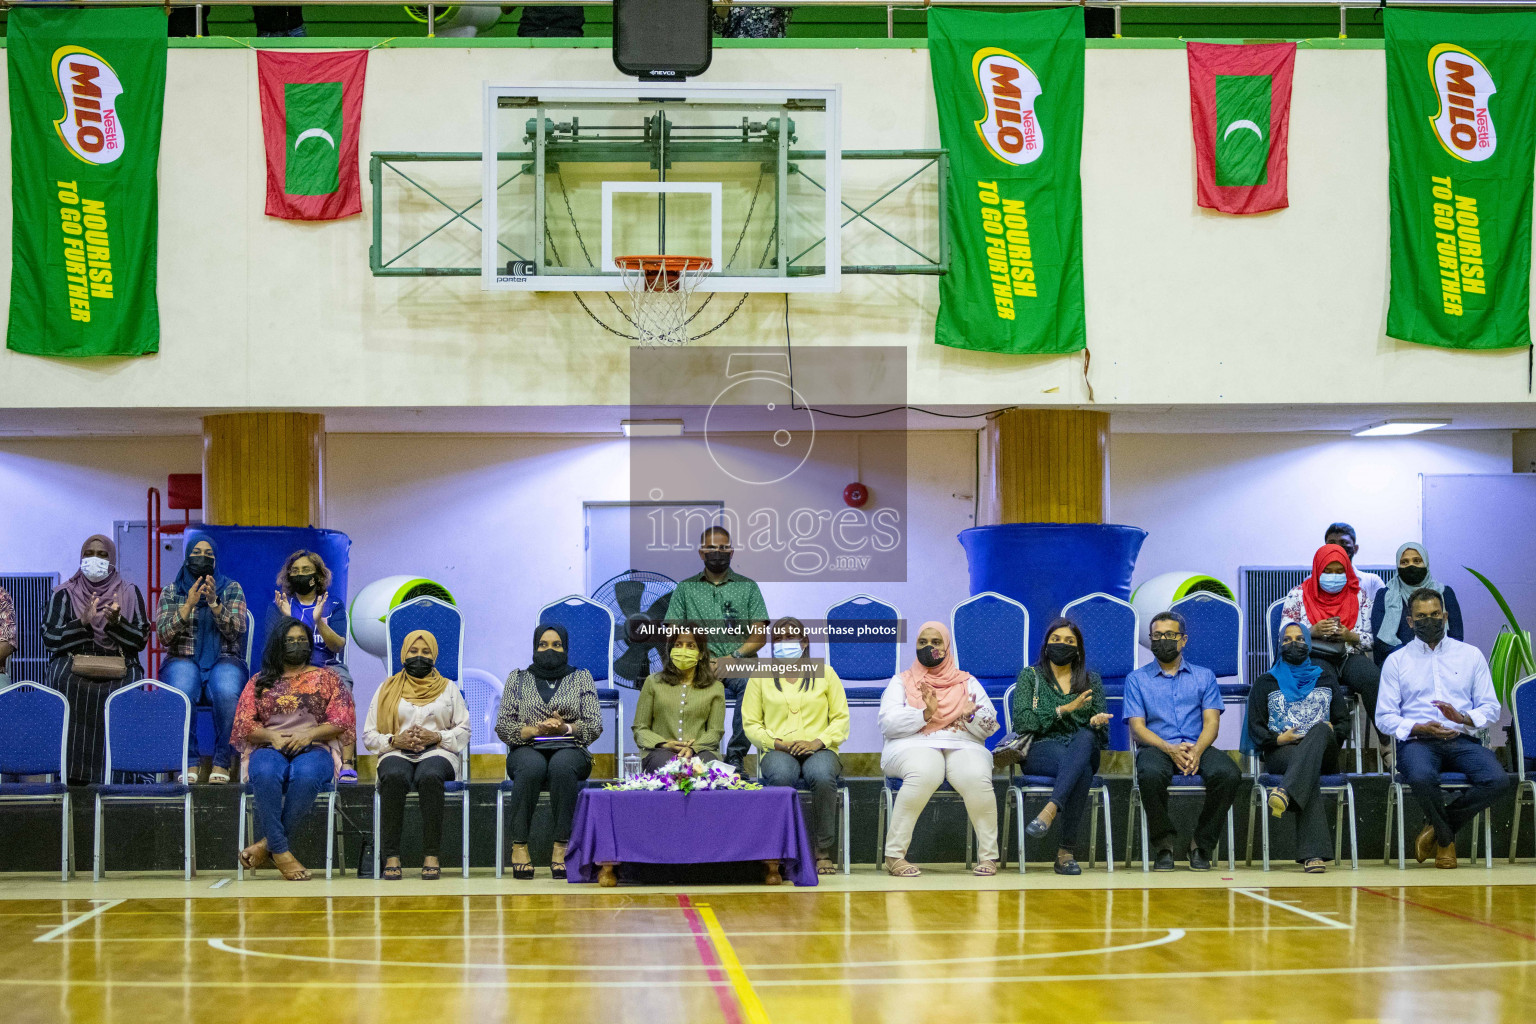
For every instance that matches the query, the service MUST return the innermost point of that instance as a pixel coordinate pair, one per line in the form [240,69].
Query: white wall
[1213,502]
[1184,306]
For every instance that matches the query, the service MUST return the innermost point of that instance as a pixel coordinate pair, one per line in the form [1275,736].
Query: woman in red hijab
[936,719]
[1333,607]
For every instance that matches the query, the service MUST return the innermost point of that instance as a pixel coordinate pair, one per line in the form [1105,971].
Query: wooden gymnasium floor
[1378,945]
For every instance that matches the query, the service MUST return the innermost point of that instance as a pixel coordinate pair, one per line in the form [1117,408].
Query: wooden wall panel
[1052,465]
[264,469]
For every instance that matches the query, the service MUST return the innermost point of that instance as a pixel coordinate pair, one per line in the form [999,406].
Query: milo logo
[1008,87]
[1463,124]
[89,88]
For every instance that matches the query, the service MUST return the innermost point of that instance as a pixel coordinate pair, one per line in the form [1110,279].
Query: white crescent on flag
[1234,126]
[321,133]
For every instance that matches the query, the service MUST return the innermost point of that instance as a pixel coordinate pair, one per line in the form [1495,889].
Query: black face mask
[297,652]
[302,583]
[1294,652]
[717,562]
[549,660]
[417,667]
[1431,631]
[1413,575]
[1165,651]
[1061,654]
[929,657]
[200,565]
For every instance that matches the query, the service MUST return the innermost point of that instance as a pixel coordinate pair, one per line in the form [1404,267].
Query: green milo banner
[1009,89]
[87,92]
[1461,129]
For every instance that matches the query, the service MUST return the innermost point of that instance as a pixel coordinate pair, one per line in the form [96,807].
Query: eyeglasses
[1167,636]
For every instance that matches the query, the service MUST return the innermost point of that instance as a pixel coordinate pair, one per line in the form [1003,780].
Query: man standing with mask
[1436,692]
[1173,710]
[1343,535]
[731,609]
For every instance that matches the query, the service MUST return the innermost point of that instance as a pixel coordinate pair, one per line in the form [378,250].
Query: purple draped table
[707,827]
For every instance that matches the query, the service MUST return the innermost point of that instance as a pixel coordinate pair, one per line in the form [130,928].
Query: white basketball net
[658,299]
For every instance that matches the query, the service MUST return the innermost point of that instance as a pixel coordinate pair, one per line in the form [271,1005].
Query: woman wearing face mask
[1389,612]
[797,725]
[93,633]
[1061,704]
[548,718]
[201,623]
[681,711]
[304,593]
[936,719]
[418,725]
[1296,720]
[1335,611]
[291,724]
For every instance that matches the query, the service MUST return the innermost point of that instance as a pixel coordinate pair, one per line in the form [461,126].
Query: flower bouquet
[680,776]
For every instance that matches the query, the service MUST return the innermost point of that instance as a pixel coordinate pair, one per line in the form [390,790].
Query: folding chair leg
[1261,812]
[1002,841]
[464,795]
[1514,828]
[847,832]
[1386,830]
[240,839]
[1232,840]
[1256,794]
[1402,839]
[1008,806]
[189,840]
[501,825]
[1476,821]
[885,809]
[970,843]
[1130,826]
[96,852]
[1109,842]
[1093,827]
[1488,838]
[1354,834]
[330,833]
[376,834]
[64,839]
[1338,829]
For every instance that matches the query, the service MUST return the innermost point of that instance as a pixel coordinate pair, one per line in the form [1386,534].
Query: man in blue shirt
[1173,709]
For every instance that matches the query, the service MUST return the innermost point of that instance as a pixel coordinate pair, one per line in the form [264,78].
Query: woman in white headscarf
[1389,616]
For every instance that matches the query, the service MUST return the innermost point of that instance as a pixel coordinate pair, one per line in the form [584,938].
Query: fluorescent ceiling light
[651,428]
[1397,428]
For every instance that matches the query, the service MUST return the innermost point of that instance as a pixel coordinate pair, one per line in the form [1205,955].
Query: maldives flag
[311,109]
[1240,102]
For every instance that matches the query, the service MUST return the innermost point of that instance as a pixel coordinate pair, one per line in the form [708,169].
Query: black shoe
[1036,828]
[1071,867]
[737,763]
[1198,861]
[1164,861]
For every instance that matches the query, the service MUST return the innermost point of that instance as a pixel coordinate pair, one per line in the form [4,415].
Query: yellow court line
[751,1006]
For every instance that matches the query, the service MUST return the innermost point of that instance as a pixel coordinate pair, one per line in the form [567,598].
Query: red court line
[1449,913]
[723,991]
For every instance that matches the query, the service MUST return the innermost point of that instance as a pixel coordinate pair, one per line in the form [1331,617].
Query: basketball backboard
[575,175]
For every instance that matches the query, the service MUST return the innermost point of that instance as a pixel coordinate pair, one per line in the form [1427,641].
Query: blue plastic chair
[590,626]
[1272,618]
[1021,786]
[441,619]
[1111,629]
[991,637]
[1182,785]
[860,661]
[1216,640]
[146,728]
[34,740]
[1397,807]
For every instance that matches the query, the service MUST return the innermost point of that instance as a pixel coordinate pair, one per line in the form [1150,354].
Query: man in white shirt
[1343,535]
[1435,692]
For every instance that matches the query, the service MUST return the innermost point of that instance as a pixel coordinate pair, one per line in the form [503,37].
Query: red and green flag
[311,112]
[1240,104]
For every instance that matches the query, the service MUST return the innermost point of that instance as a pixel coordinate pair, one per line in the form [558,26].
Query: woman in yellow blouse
[681,711]
[797,725]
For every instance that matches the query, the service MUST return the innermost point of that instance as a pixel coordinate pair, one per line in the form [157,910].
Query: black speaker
[662,40]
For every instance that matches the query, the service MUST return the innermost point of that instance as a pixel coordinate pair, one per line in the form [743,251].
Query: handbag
[98,666]
[1332,651]
[1013,748]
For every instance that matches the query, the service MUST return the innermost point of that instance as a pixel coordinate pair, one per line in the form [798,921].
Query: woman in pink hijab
[935,719]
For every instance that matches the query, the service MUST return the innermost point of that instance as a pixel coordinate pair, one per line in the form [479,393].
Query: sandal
[431,872]
[348,775]
[557,863]
[985,869]
[1278,802]
[521,872]
[1315,866]
[391,873]
[900,867]
[219,776]
[825,866]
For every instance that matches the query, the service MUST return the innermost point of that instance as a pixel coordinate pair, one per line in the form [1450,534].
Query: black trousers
[396,778]
[1154,773]
[1360,675]
[1302,763]
[534,769]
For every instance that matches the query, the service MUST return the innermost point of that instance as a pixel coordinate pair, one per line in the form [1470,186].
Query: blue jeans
[285,789]
[223,683]
[1422,761]
[738,745]
[1072,764]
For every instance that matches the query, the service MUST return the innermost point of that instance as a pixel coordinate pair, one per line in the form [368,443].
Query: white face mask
[95,569]
[787,649]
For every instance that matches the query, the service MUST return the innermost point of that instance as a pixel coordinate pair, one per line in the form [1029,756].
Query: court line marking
[102,906]
[1309,915]
[1449,913]
[745,994]
[1172,935]
[723,993]
[1288,972]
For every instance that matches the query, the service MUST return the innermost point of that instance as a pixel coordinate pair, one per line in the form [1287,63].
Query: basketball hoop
[659,287]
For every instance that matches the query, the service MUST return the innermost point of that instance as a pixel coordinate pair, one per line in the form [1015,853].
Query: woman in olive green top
[1061,704]
[681,712]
